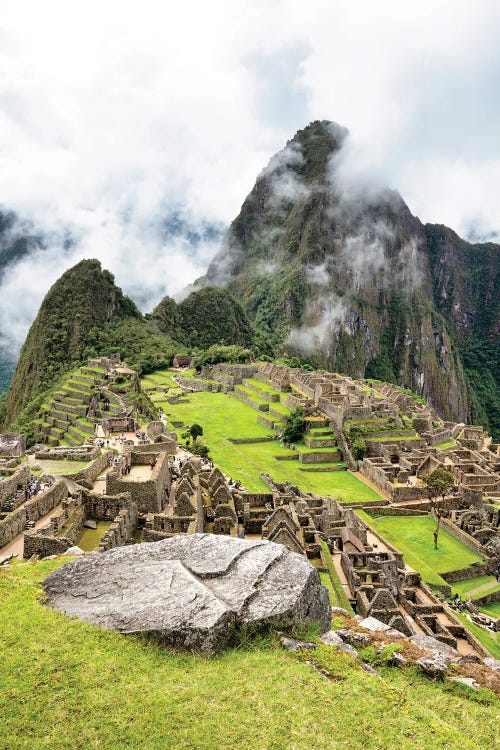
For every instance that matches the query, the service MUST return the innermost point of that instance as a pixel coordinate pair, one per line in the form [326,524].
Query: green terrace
[224,417]
[446,444]
[64,420]
[413,536]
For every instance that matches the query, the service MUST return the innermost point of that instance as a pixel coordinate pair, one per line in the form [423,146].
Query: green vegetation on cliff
[84,299]
[84,314]
[206,317]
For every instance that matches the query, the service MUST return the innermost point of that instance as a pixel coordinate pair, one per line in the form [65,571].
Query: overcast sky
[115,115]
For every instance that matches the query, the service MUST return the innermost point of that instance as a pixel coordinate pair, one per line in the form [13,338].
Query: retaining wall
[14,480]
[31,510]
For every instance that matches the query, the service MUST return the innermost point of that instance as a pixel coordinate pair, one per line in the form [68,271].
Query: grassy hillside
[81,302]
[66,684]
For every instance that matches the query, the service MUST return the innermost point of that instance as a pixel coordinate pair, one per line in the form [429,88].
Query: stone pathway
[16,546]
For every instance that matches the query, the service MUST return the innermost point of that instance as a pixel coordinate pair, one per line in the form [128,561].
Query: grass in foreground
[223,416]
[413,536]
[67,684]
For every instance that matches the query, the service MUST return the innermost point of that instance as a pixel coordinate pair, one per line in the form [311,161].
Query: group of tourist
[141,436]
[36,487]
[153,461]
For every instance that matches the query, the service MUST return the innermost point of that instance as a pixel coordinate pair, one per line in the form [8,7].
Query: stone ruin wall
[17,480]
[121,530]
[49,540]
[78,453]
[89,474]
[31,510]
[149,494]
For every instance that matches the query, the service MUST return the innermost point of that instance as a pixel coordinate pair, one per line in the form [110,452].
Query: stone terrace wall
[43,546]
[10,484]
[50,540]
[152,449]
[89,474]
[105,507]
[31,510]
[121,530]
[465,573]
[376,475]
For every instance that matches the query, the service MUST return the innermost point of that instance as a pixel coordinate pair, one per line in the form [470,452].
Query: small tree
[295,427]
[438,483]
[196,431]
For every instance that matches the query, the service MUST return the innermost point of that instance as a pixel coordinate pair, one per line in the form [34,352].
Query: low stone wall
[14,480]
[199,385]
[31,510]
[71,454]
[105,507]
[243,396]
[472,571]
[269,423]
[488,598]
[388,510]
[153,449]
[438,437]
[323,457]
[402,492]
[121,529]
[43,546]
[89,474]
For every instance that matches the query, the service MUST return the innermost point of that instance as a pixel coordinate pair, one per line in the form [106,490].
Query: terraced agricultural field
[223,416]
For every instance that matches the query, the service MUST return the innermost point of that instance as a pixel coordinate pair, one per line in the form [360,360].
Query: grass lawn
[413,536]
[492,609]
[66,684]
[60,467]
[222,416]
[446,444]
[90,538]
[475,587]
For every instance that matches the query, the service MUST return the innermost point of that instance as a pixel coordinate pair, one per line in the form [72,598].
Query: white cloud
[114,114]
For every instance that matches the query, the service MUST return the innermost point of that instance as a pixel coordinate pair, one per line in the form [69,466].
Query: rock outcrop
[191,591]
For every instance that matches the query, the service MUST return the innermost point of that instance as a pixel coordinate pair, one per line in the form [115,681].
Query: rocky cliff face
[75,309]
[345,274]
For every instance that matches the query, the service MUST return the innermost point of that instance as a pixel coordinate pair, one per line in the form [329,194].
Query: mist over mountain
[333,266]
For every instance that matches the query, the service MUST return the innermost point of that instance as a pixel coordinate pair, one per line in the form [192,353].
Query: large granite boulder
[191,591]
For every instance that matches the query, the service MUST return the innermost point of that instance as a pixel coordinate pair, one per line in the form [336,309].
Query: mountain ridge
[344,274]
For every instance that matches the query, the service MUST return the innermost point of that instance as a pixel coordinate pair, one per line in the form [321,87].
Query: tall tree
[438,484]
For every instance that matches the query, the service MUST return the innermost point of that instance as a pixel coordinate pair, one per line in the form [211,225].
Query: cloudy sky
[117,116]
